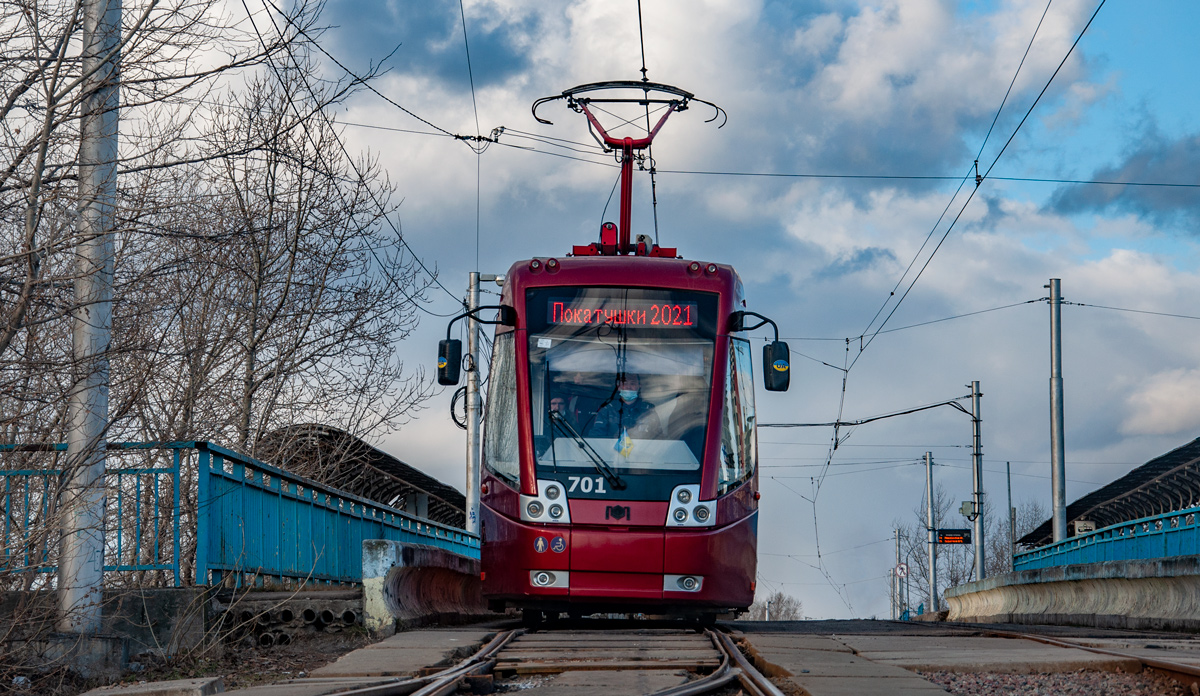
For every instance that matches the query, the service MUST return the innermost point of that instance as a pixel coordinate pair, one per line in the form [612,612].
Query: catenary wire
[345,152]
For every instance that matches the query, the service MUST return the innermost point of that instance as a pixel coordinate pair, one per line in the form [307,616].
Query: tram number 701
[586,484]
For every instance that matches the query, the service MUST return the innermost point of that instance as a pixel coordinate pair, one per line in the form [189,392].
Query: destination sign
[629,313]
[953,536]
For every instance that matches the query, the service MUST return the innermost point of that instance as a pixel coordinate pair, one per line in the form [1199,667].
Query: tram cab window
[500,432]
[739,446]
[622,375]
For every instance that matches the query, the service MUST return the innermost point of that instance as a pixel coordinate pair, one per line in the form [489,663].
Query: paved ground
[831,658]
[824,658]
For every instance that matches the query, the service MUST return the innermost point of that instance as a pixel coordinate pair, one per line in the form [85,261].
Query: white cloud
[1168,403]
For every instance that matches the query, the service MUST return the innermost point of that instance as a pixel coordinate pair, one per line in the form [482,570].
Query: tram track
[711,660]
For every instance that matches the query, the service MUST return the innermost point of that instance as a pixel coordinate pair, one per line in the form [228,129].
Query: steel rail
[755,682]
[445,681]
[1179,671]
[734,666]
[721,676]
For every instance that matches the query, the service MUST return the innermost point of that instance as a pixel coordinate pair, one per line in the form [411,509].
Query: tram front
[618,463]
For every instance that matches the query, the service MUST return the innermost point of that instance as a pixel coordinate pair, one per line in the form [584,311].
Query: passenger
[627,415]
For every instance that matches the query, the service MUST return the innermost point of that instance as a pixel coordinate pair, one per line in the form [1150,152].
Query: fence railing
[1169,534]
[257,519]
[142,527]
[244,521]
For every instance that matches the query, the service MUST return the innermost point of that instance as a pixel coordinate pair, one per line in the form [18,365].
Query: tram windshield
[620,380]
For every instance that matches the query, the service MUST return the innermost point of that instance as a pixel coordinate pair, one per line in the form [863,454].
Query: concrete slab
[405,653]
[981,654]
[832,669]
[310,687]
[175,687]
[797,642]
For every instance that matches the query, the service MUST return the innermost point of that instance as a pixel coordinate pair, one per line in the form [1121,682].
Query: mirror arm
[507,317]
[738,321]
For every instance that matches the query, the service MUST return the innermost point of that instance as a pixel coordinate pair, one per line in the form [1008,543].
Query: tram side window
[739,446]
[500,436]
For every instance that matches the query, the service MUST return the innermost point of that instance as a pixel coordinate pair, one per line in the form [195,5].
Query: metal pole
[932,534]
[1012,518]
[896,580]
[81,555]
[977,480]
[1058,476]
[473,409]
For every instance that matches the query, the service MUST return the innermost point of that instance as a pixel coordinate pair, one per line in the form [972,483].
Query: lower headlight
[680,515]
[701,513]
[556,511]
[543,578]
[688,584]
[534,508]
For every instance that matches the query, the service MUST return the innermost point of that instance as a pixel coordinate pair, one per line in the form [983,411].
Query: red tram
[619,452]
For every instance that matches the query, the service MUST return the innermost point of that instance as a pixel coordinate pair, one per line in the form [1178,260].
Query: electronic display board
[595,310]
[953,536]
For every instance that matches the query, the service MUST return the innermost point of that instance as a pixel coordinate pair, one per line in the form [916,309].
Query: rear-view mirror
[450,361]
[777,368]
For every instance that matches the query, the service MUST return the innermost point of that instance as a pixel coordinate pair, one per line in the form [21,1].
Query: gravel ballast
[1081,683]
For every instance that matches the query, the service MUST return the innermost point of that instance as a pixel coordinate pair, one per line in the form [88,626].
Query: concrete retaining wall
[408,582]
[1159,594]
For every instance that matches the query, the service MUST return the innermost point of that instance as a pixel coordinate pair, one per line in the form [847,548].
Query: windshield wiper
[557,420]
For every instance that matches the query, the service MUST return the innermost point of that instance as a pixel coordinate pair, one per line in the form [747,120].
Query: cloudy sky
[887,89]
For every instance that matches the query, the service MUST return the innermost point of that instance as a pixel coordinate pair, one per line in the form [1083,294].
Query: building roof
[337,458]
[1163,484]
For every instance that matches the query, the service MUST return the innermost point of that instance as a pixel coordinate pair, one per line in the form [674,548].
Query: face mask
[628,395]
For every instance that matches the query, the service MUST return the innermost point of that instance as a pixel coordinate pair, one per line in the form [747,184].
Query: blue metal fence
[252,521]
[265,521]
[141,530]
[1169,534]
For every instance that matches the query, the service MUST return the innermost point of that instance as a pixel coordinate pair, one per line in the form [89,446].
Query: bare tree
[956,563]
[777,607]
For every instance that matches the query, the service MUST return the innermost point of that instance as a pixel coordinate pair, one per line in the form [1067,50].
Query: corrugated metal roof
[337,458]
[1166,483]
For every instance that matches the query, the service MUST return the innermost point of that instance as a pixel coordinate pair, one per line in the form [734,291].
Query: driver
[627,415]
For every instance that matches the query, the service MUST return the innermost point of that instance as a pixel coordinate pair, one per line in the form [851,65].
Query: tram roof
[1167,482]
[335,457]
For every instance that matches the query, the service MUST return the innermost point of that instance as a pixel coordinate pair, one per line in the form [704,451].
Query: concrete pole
[1058,476]
[81,504]
[473,407]
[931,522]
[1012,518]
[977,480]
[896,581]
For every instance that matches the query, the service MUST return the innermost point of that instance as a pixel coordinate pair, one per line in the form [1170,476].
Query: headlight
[543,578]
[688,583]
[556,511]
[680,515]
[684,496]
[702,513]
[534,508]
[552,492]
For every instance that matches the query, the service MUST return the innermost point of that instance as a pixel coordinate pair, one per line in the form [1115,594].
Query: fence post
[202,466]
[175,481]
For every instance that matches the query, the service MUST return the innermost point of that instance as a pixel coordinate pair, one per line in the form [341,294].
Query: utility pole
[473,406]
[474,400]
[1012,519]
[932,532]
[81,561]
[977,479]
[896,580]
[1058,476]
